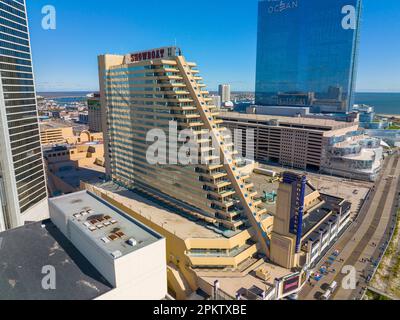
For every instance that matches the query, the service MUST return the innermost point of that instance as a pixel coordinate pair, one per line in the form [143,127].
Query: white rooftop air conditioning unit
[116,254]
[132,242]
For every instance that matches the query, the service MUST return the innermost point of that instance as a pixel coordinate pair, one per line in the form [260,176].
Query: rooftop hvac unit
[105,240]
[132,242]
[116,254]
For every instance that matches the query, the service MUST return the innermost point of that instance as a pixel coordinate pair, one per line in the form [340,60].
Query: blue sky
[220,35]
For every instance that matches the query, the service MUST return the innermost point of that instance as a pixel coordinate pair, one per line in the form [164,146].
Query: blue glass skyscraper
[307,53]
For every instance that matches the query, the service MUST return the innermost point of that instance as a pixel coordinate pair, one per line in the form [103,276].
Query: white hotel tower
[23,192]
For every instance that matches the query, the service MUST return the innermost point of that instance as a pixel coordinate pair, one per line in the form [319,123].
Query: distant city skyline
[84,35]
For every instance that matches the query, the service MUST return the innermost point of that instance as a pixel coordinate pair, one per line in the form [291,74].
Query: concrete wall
[39,212]
[141,275]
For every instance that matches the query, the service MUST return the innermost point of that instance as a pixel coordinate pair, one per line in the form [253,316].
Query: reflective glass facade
[307,53]
[21,166]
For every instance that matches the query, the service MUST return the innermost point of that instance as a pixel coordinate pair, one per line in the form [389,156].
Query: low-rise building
[79,155]
[68,165]
[369,119]
[88,251]
[354,155]
[200,256]
[52,134]
[306,223]
[77,158]
[307,143]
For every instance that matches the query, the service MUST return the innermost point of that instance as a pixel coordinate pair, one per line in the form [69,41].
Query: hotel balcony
[226,258]
[183,108]
[177,92]
[170,70]
[225,194]
[218,121]
[200,132]
[192,124]
[229,144]
[213,167]
[190,116]
[243,177]
[226,204]
[219,185]
[210,158]
[248,186]
[169,78]
[206,149]
[262,211]
[215,113]
[257,202]
[229,214]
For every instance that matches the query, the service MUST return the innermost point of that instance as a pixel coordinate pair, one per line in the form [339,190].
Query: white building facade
[23,192]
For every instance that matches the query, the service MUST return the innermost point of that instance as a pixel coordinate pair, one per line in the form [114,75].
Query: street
[365,240]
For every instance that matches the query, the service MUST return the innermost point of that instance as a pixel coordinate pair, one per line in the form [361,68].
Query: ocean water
[64,94]
[384,103]
[66,97]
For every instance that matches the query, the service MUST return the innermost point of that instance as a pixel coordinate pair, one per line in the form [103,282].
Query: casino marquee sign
[160,53]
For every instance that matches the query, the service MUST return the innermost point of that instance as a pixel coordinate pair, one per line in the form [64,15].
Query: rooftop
[26,250]
[110,228]
[55,124]
[311,122]
[233,282]
[321,215]
[181,226]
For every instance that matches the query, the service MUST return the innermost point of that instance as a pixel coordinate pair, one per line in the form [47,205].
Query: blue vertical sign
[299,184]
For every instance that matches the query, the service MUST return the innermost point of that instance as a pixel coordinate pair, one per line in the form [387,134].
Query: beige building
[329,146]
[74,158]
[306,223]
[218,231]
[147,90]
[77,155]
[224,266]
[216,225]
[56,134]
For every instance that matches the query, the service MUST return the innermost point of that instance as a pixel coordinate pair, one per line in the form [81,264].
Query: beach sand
[390,115]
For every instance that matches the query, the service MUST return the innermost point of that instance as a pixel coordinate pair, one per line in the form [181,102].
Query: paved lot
[365,239]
